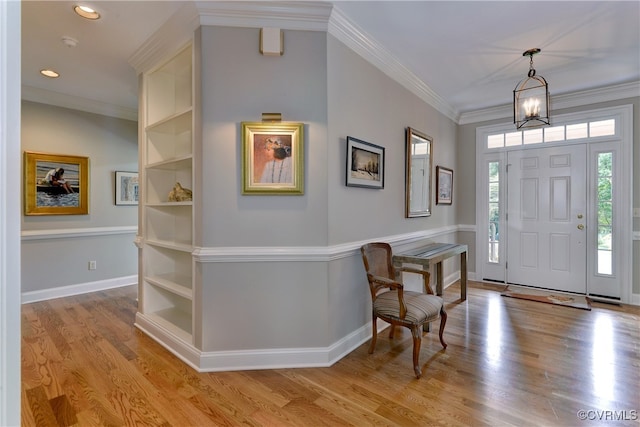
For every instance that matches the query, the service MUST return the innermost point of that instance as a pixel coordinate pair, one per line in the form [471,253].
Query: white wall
[56,249]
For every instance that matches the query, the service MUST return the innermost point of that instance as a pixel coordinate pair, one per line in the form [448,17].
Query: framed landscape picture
[55,184]
[365,164]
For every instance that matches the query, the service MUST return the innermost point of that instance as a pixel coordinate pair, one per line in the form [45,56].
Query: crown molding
[371,50]
[559,102]
[166,40]
[43,96]
[291,15]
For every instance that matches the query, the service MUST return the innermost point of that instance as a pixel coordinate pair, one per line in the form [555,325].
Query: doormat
[567,300]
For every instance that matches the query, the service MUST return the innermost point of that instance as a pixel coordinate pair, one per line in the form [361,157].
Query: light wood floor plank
[509,363]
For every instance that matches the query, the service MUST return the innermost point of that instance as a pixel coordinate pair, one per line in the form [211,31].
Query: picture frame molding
[253,135]
[351,180]
[31,182]
[118,199]
[441,173]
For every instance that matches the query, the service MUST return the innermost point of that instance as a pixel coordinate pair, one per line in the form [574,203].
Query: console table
[433,254]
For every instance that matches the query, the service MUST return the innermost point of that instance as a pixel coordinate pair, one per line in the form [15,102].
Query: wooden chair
[391,303]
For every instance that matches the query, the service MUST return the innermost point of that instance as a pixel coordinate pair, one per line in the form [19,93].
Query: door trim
[623,140]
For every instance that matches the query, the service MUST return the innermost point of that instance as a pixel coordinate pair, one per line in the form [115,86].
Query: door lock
[580,226]
[579,216]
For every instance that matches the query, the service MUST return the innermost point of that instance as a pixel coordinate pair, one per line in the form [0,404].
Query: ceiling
[469,53]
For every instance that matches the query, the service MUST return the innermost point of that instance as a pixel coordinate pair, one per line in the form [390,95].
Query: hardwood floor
[509,363]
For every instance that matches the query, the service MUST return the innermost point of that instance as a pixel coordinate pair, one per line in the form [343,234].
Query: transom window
[592,129]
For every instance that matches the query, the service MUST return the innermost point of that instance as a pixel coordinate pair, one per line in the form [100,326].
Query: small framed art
[126,188]
[365,164]
[444,186]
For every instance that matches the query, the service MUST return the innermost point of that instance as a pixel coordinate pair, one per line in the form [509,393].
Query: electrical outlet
[636,212]
[92,265]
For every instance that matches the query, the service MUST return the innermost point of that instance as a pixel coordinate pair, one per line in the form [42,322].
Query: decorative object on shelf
[126,188]
[180,194]
[365,164]
[271,41]
[419,160]
[272,158]
[444,185]
[531,98]
[55,184]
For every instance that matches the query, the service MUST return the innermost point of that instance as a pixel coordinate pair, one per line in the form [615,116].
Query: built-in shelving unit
[167,148]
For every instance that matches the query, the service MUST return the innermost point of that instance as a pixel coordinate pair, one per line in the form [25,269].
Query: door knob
[580,227]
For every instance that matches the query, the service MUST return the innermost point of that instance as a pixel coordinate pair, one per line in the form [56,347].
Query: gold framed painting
[55,184]
[272,158]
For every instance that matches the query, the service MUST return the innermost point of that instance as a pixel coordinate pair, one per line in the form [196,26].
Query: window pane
[605,263]
[494,171]
[605,213]
[604,238]
[494,211]
[513,138]
[555,133]
[533,136]
[495,141]
[604,164]
[577,131]
[494,189]
[602,128]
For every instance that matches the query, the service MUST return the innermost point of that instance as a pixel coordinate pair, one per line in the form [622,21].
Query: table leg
[463,276]
[439,279]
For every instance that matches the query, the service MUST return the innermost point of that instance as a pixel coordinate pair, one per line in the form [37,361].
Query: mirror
[418,174]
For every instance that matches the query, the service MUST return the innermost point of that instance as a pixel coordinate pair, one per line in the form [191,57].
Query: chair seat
[421,307]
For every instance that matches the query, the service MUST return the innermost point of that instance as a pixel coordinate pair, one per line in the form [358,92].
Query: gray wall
[336,93]
[111,144]
[466,165]
[366,104]
[239,84]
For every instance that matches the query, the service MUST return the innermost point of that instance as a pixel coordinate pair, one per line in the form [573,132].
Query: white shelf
[179,285]
[175,321]
[166,157]
[174,124]
[172,164]
[174,246]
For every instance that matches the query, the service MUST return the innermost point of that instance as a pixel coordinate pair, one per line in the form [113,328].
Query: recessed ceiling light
[86,12]
[49,73]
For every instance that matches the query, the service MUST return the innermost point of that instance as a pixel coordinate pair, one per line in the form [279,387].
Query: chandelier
[531,98]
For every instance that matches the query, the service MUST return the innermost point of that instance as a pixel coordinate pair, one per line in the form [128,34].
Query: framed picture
[55,184]
[272,158]
[444,185]
[365,164]
[126,188]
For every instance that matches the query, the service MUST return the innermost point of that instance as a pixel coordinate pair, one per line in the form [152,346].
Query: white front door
[546,238]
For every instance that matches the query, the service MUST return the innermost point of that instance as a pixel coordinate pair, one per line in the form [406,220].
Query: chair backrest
[377,260]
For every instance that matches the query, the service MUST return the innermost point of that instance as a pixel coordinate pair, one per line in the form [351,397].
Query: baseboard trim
[82,288]
[244,360]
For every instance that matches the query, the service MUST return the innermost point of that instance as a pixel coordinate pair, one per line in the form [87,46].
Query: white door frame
[622,143]
[10,210]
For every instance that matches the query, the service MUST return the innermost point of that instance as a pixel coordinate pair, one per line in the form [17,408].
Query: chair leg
[417,340]
[392,329]
[443,321]
[374,334]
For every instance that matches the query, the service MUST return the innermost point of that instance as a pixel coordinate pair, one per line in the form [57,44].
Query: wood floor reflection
[509,363]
